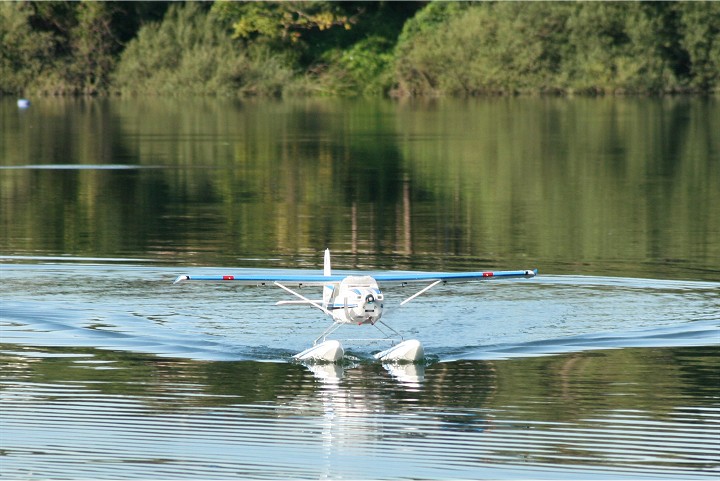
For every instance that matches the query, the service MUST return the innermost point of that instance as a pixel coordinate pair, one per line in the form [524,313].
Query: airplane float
[357,299]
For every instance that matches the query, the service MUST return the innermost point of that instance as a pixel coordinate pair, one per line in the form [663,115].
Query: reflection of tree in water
[88,199]
[295,176]
[492,182]
[465,390]
[572,386]
[169,384]
[480,410]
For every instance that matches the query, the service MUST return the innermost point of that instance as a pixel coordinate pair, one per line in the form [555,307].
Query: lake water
[605,366]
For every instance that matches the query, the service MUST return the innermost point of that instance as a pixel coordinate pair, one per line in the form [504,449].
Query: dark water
[606,366]
[621,187]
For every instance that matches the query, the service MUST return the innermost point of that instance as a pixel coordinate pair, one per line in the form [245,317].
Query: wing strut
[312,303]
[420,292]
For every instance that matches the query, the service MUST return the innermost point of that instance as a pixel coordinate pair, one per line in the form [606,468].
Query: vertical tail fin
[328,289]
[326,270]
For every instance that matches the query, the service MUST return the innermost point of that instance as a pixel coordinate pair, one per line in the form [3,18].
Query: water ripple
[358,428]
[137,308]
[109,371]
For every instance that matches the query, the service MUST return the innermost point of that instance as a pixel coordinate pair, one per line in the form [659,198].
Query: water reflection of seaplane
[353,299]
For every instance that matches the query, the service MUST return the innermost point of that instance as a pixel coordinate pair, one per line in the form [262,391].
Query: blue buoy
[23,103]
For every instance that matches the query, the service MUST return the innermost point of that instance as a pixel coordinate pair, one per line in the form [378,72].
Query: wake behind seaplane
[357,299]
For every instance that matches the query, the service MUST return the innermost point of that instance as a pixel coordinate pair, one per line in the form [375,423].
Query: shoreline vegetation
[396,49]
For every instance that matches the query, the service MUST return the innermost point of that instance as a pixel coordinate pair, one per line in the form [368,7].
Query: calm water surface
[606,366]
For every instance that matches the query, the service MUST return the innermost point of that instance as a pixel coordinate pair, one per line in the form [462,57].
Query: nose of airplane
[369,310]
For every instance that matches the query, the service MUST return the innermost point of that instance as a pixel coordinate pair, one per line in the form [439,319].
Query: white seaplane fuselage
[356,300]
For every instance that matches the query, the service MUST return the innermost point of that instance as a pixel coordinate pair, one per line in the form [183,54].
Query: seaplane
[357,299]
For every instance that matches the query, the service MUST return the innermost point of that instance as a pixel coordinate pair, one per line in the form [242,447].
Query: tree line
[358,48]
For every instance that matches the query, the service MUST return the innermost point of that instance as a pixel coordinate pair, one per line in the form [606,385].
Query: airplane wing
[399,277]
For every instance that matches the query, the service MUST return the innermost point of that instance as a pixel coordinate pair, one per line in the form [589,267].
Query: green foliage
[275,49]
[190,51]
[359,48]
[700,37]
[282,20]
[511,47]
[361,70]
[57,47]
[621,48]
[24,53]
[435,15]
[93,46]
[490,48]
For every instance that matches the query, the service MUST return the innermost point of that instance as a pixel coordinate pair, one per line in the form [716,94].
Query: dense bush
[65,47]
[24,53]
[191,52]
[362,69]
[359,48]
[699,27]
[39,59]
[598,47]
